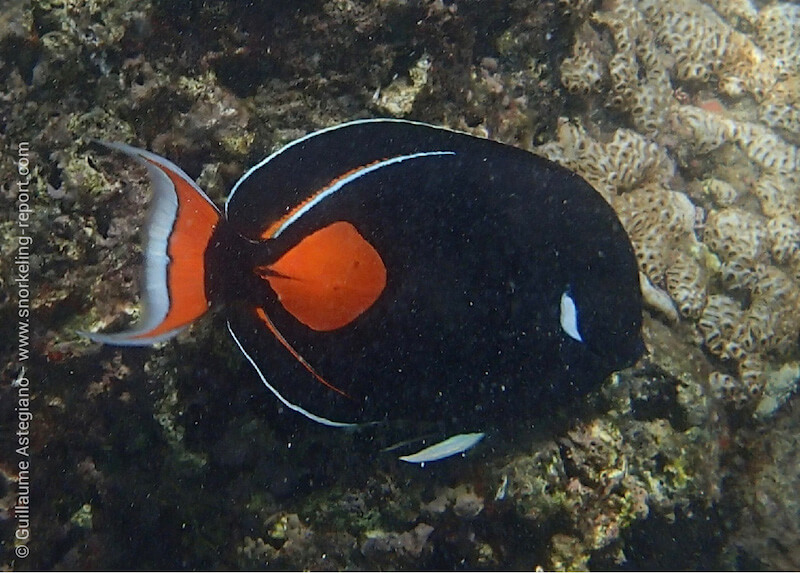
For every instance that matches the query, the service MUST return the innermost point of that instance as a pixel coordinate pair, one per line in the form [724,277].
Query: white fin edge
[284,401]
[291,144]
[349,179]
[161,219]
[452,446]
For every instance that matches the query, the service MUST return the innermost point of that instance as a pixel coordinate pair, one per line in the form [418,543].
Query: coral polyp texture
[706,184]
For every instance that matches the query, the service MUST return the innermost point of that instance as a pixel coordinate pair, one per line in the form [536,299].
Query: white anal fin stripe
[284,401]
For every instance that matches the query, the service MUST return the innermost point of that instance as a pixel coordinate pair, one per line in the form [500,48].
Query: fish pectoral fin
[452,446]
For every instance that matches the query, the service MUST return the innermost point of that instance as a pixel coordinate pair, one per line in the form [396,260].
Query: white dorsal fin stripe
[284,401]
[349,179]
[452,446]
[569,317]
[291,144]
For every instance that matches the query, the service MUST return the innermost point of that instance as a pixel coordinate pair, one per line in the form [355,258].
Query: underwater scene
[400,284]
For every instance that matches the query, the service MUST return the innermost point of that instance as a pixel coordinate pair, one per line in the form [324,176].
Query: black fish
[386,270]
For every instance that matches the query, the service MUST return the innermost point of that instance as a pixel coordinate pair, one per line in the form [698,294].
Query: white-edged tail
[181,222]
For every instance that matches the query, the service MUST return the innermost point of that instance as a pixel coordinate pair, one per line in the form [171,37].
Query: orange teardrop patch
[329,278]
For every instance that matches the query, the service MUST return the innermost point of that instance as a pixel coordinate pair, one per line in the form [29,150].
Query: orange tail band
[181,222]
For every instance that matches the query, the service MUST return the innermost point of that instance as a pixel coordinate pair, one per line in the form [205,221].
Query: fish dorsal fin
[329,278]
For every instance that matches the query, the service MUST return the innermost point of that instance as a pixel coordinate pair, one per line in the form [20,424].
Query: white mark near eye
[569,317]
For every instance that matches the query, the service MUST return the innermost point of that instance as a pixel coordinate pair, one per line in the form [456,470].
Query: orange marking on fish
[269,233]
[329,278]
[195,222]
[276,333]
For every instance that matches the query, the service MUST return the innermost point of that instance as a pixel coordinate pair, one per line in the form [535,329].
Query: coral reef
[596,476]
[766,536]
[720,240]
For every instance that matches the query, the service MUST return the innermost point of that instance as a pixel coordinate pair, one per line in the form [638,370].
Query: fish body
[385,270]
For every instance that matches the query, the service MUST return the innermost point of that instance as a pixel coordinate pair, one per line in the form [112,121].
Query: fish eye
[569,317]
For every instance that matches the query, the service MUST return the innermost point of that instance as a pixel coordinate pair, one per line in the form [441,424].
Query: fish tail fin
[179,228]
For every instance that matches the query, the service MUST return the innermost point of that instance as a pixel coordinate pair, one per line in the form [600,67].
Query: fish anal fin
[276,333]
[329,278]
